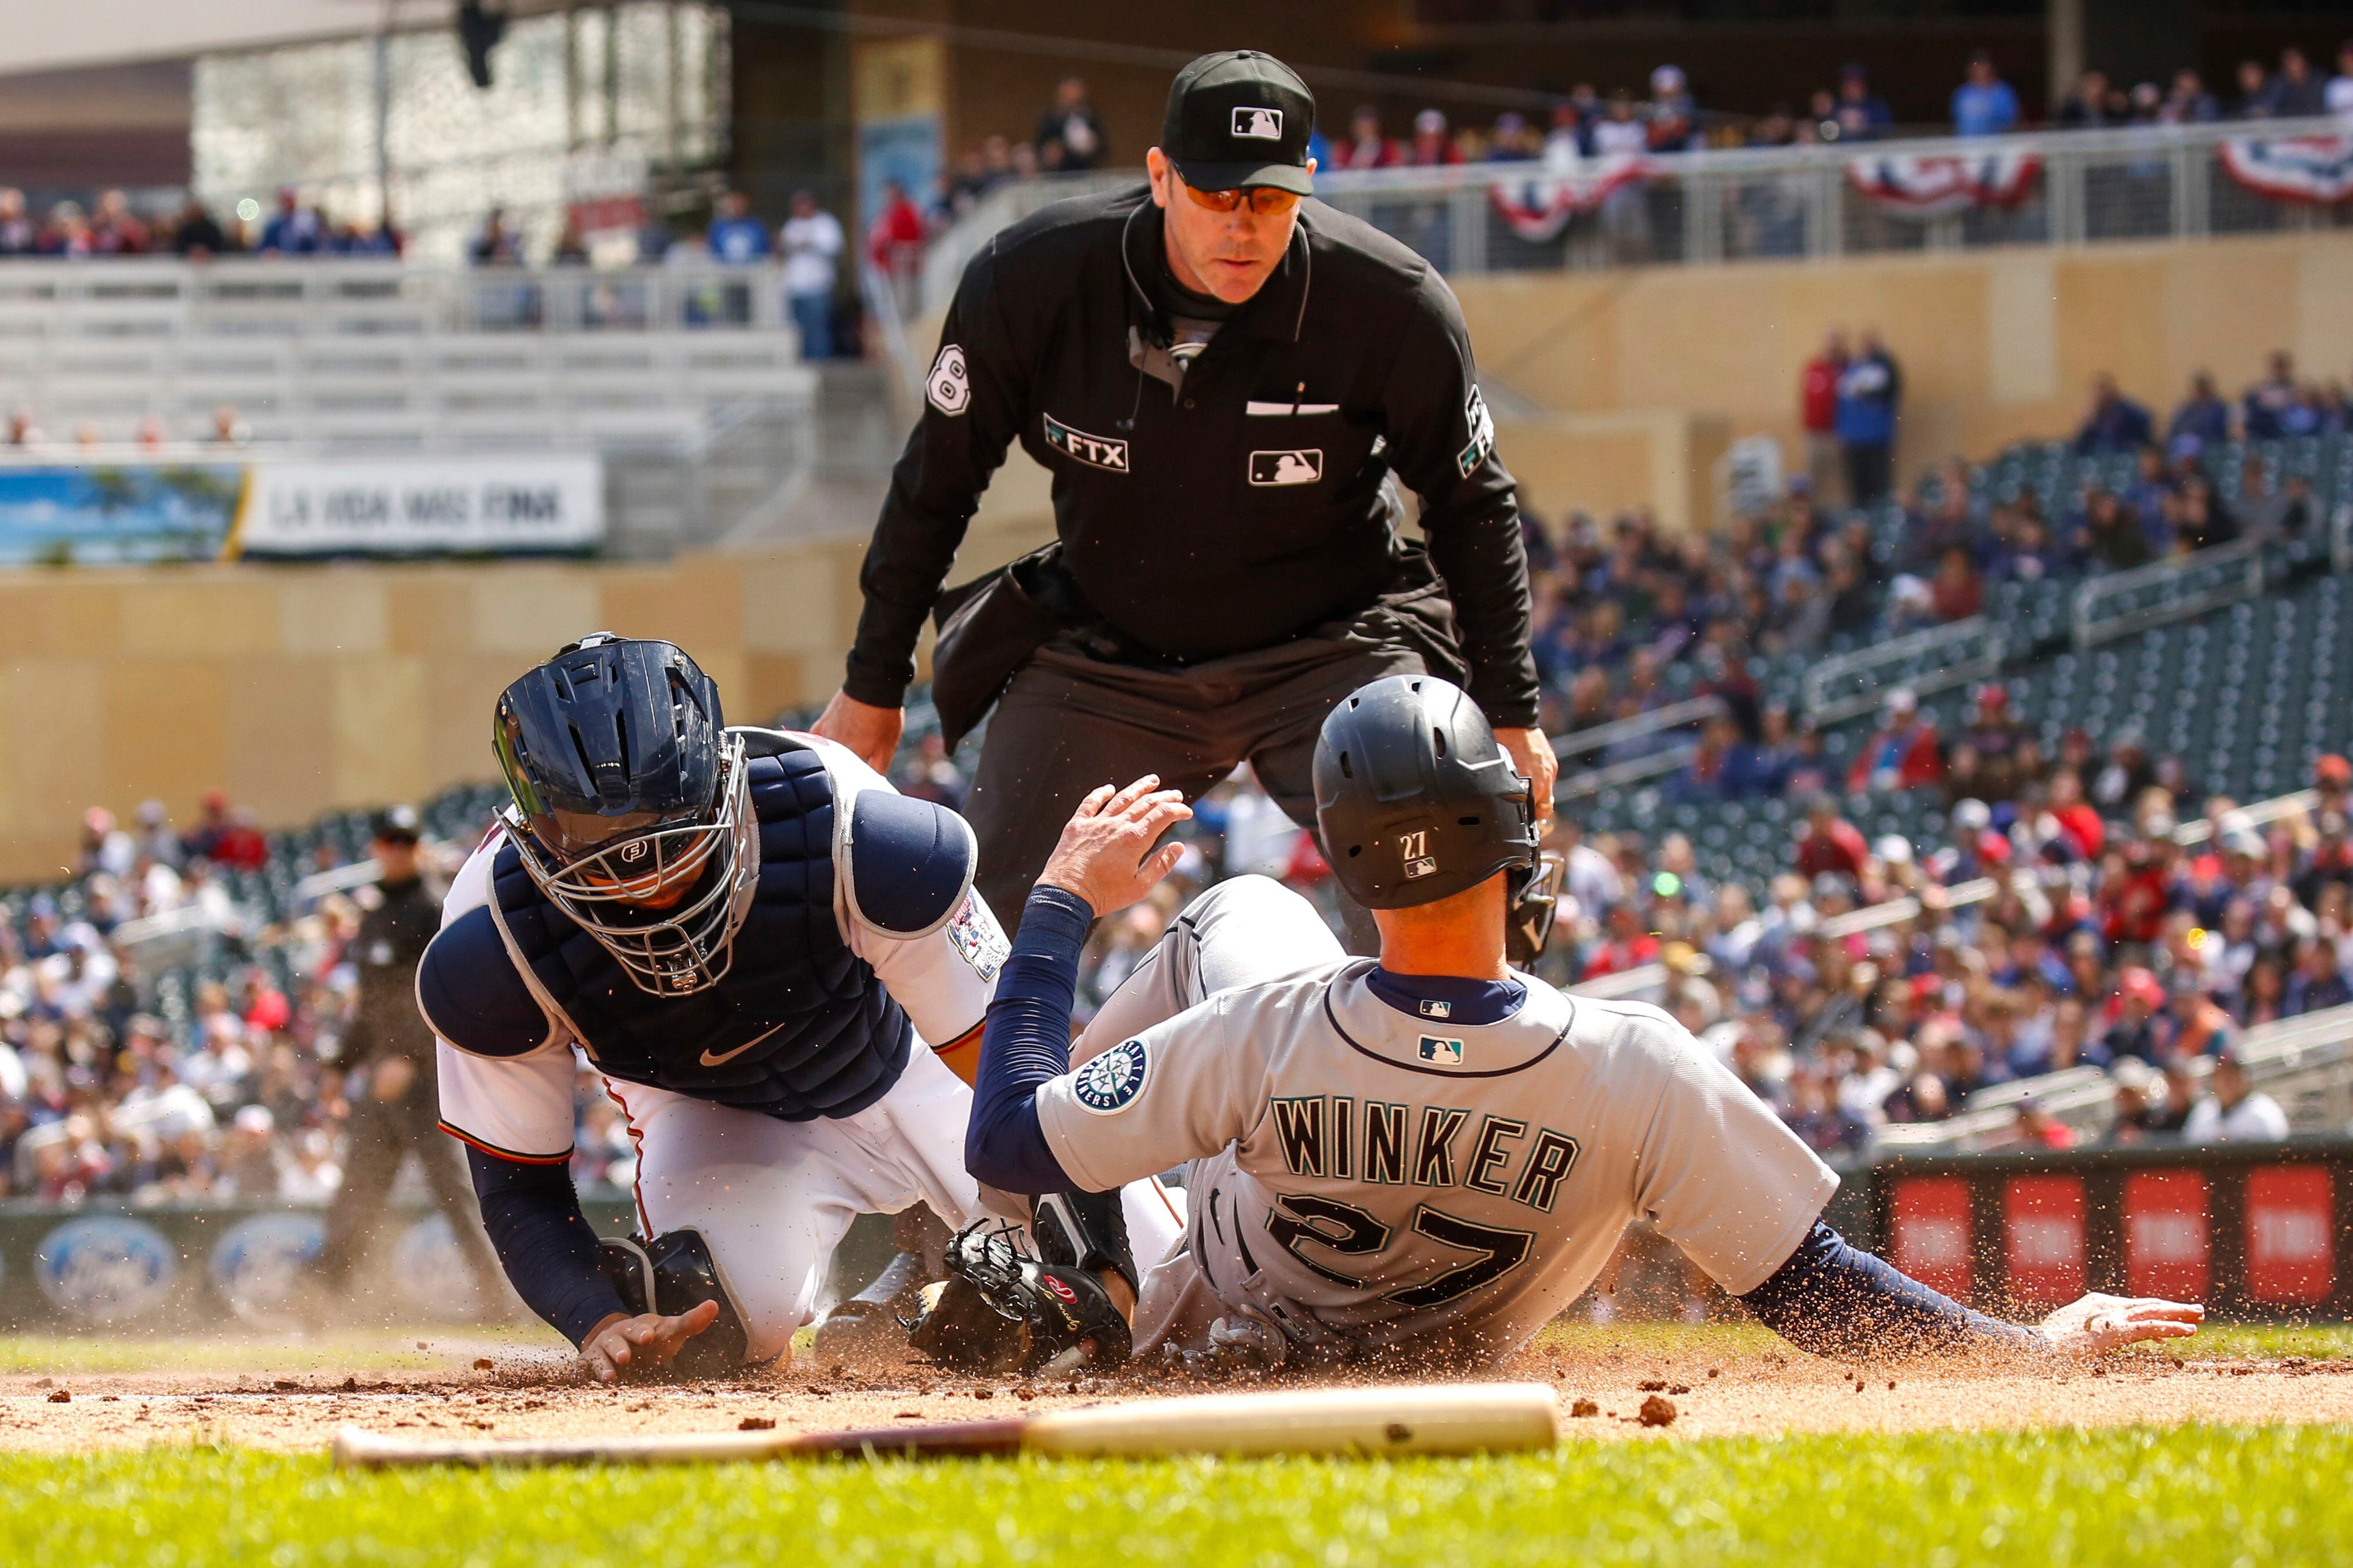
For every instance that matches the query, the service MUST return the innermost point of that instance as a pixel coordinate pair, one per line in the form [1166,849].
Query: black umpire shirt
[390,944]
[1233,504]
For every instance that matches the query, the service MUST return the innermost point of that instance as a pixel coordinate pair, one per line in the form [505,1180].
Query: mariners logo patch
[1113,1078]
[1257,124]
[1482,434]
[1091,450]
[949,387]
[979,937]
[1445,1053]
[1294,467]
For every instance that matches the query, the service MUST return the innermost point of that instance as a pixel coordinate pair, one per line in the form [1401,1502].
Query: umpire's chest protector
[798,1028]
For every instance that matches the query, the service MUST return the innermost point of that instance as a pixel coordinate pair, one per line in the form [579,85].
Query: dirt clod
[62,1396]
[1651,1386]
[1580,1408]
[483,1363]
[1658,1411]
[757,1424]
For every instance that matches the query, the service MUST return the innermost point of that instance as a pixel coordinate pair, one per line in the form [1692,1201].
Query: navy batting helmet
[632,804]
[1417,802]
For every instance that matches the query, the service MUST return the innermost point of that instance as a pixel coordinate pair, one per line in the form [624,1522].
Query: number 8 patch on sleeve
[949,387]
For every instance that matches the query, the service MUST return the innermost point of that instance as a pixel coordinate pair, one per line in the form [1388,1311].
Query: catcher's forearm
[1027,1043]
[1832,1298]
[544,1242]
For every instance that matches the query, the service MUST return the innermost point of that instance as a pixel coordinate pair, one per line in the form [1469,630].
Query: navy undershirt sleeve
[544,1242]
[1027,1043]
[1833,1300]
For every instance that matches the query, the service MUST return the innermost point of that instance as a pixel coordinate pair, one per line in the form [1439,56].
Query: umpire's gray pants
[1068,723]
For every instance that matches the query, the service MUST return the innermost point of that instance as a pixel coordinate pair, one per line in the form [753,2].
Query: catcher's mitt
[1001,1309]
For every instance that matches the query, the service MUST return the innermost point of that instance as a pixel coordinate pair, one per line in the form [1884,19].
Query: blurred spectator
[1674,116]
[114,228]
[2338,95]
[2254,99]
[1984,105]
[2203,417]
[1365,147]
[1861,114]
[228,428]
[1069,136]
[1869,390]
[1903,753]
[19,234]
[495,245]
[2038,1129]
[2117,423]
[1958,591]
[2188,103]
[812,242]
[2267,404]
[2086,106]
[736,236]
[198,235]
[893,241]
[1430,146]
[2297,92]
[293,229]
[2232,1110]
[1827,843]
[1818,400]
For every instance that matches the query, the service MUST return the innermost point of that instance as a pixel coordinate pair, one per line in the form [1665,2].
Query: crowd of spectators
[1837,558]
[223,1088]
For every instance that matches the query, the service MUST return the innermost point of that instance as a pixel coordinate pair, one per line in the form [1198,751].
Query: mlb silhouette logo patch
[1434,1008]
[1294,467]
[1445,1053]
[1257,124]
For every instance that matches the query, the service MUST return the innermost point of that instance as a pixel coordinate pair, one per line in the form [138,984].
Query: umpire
[1222,378]
[399,1109]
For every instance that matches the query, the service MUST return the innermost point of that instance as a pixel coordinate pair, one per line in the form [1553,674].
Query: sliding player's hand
[623,1346]
[1105,855]
[2100,1322]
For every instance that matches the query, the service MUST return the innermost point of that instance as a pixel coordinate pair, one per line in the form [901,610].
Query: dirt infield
[1715,1389]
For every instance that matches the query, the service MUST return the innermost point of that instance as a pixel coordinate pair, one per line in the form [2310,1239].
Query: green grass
[2196,1494]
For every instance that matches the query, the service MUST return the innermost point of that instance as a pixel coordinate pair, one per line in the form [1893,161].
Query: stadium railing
[1924,661]
[1666,757]
[2117,604]
[2062,187]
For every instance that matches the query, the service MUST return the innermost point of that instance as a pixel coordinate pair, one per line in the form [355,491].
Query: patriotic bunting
[1941,185]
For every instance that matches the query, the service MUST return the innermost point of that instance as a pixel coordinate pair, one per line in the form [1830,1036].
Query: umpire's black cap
[398,825]
[1239,117]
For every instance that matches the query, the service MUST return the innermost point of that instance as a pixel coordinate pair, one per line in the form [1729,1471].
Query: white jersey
[1362,1172]
[521,1106]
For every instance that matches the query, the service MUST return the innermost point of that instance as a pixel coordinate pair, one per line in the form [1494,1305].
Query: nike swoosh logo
[725,1056]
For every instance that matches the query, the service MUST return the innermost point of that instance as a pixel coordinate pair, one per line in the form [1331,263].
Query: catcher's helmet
[1417,802]
[632,804]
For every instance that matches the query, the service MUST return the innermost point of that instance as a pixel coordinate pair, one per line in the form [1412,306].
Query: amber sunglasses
[1264,200]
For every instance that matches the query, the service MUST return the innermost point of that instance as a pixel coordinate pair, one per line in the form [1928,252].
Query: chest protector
[798,1028]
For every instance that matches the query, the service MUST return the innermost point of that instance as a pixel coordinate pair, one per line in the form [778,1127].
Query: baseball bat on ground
[1433,1419]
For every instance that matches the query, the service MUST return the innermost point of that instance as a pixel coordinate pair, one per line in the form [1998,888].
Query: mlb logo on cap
[1257,124]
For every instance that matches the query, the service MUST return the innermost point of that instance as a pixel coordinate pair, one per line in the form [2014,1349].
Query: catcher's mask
[633,808]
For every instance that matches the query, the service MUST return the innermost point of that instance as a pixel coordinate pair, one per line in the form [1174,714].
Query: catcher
[1430,1155]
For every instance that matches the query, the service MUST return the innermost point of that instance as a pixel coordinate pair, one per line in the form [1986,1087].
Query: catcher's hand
[1002,1310]
[624,1346]
[2100,1322]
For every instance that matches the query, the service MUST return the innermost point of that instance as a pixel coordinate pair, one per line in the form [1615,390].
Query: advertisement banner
[2291,1233]
[1930,1234]
[2166,1242]
[2042,1218]
[412,506]
[114,514]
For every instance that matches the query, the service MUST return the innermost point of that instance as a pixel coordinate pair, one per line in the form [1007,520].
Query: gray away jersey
[1398,1178]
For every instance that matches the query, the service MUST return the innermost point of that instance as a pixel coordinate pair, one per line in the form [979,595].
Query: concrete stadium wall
[299,689]
[1995,345]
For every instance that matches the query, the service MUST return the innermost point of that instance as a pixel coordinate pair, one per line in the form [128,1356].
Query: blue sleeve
[1027,1043]
[1832,1300]
[544,1242]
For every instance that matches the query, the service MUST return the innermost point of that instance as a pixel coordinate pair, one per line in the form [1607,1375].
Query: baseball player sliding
[1430,1155]
[771,957]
